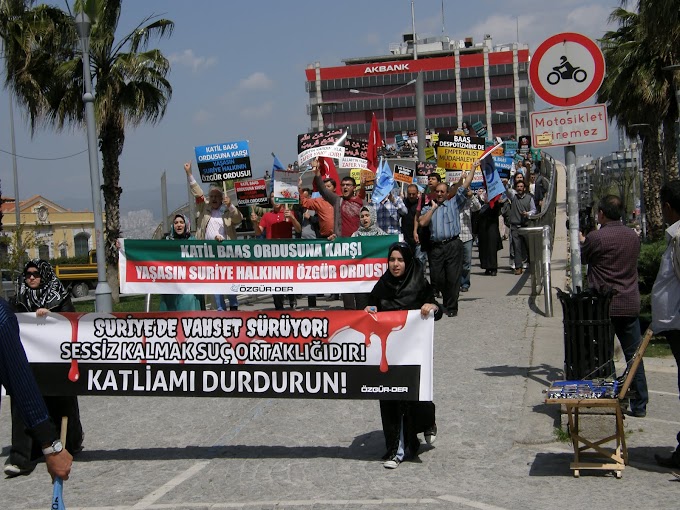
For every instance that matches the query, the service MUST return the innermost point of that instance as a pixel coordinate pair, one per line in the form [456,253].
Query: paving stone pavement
[496,447]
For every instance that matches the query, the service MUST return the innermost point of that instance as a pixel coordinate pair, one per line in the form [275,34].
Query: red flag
[326,170]
[374,142]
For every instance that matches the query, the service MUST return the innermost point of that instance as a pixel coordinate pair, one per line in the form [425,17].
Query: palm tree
[44,71]
[639,95]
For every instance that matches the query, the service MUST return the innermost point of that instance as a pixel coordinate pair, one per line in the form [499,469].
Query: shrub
[648,264]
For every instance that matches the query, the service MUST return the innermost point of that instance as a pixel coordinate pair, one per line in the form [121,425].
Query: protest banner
[355,154]
[329,143]
[504,164]
[223,161]
[480,129]
[453,176]
[404,174]
[369,177]
[310,354]
[251,192]
[510,148]
[286,186]
[253,266]
[459,152]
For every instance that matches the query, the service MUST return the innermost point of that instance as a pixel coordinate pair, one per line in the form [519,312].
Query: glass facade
[352,101]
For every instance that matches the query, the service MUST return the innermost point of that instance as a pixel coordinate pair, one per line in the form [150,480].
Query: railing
[540,235]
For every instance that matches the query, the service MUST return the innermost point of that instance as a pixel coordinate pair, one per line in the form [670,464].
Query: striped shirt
[445,222]
[18,380]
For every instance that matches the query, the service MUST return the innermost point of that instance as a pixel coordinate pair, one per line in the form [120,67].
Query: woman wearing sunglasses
[42,292]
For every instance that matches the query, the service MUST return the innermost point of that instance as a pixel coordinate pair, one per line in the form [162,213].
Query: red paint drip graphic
[74,371]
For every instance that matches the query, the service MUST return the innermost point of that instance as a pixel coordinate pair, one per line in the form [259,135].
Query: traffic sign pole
[566,70]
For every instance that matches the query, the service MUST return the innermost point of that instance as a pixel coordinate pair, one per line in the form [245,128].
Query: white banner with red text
[330,354]
[253,266]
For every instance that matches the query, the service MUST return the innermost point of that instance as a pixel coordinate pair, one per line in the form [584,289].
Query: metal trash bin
[588,334]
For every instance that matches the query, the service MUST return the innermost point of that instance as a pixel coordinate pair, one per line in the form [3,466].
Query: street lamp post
[643,217]
[355,91]
[515,117]
[103,300]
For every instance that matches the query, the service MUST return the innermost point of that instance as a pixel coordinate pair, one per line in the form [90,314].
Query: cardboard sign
[223,161]
[329,143]
[404,174]
[369,177]
[459,152]
[356,152]
[286,187]
[251,192]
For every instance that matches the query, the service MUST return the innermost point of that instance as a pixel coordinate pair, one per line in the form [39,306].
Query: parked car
[9,283]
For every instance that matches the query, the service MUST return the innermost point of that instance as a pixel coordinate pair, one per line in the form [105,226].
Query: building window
[44,252]
[81,242]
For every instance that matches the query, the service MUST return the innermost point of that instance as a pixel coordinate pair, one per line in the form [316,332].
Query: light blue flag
[384,182]
[58,495]
[276,166]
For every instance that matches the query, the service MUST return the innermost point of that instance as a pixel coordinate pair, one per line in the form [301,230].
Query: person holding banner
[217,220]
[446,254]
[42,292]
[278,223]
[27,402]
[403,287]
[181,229]
[346,206]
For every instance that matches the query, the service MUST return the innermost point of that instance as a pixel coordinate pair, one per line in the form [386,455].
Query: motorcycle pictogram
[566,71]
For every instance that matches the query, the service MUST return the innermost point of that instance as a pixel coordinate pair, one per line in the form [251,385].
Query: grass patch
[658,348]
[135,303]
[562,435]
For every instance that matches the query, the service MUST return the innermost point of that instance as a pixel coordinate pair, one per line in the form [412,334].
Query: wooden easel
[605,458]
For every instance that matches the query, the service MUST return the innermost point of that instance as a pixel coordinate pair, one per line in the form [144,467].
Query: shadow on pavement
[367,447]
[542,374]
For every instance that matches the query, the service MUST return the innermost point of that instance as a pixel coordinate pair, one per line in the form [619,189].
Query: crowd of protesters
[439,226]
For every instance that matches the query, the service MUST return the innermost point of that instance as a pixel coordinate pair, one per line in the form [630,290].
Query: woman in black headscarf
[181,229]
[42,292]
[403,287]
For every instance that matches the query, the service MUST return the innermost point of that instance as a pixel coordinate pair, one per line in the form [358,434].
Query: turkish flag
[327,170]
[374,142]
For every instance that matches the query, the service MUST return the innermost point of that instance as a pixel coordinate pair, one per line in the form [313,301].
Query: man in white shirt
[666,292]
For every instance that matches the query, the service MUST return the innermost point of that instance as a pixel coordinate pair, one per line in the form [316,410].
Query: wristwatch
[55,447]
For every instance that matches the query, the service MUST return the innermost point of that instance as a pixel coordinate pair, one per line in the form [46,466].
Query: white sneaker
[392,463]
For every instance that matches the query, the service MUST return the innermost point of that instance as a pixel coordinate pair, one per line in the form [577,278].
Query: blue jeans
[222,303]
[627,330]
[467,263]
[422,256]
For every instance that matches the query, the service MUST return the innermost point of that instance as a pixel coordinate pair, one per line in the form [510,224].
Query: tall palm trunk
[670,127]
[653,175]
[111,141]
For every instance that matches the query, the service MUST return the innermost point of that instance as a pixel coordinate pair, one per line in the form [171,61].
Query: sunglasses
[31,274]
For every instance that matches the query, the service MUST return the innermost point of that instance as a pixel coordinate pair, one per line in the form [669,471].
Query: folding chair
[605,458]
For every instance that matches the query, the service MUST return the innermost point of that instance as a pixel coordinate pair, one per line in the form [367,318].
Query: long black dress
[51,295]
[489,236]
[410,292]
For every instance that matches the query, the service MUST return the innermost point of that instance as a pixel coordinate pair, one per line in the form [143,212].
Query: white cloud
[256,81]
[259,111]
[188,59]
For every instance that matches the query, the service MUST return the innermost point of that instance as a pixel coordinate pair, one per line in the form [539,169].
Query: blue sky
[238,74]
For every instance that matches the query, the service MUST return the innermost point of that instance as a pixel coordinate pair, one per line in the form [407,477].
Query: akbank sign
[386,69]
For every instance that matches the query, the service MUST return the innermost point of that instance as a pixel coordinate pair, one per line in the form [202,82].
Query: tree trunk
[671,148]
[653,174]
[111,141]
